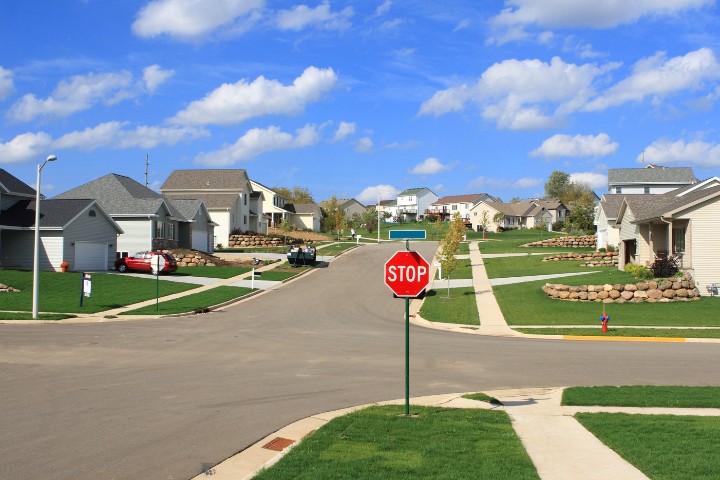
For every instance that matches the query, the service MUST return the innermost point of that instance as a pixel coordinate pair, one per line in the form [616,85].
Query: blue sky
[359,99]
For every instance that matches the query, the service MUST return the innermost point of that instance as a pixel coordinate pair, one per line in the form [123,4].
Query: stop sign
[407,274]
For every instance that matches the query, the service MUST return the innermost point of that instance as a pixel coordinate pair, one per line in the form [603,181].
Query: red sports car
[143,261]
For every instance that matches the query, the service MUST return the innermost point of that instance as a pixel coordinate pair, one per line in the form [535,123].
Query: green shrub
[640,272]
[602,249]
[558,226]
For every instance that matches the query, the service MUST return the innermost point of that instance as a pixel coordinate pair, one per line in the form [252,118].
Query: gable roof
[54,213]
[11,184]
[302,208]
[468,198]
[610,204]
[414,191]
[661,175]
[516,209]
[119,195]
[206,179]
[548,203]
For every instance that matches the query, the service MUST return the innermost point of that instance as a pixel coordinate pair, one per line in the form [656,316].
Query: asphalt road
[167,398]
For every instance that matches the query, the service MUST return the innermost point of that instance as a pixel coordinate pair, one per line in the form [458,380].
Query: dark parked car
[142,261]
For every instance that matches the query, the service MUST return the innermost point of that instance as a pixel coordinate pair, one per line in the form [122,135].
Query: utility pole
[147,164]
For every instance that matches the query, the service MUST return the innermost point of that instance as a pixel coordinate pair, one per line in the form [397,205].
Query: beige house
[273,205]
[448,206]
[605,215]
[683,223]
[306,216]
[514,215]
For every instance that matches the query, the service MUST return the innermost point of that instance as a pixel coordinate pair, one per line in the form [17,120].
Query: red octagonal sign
[407,274]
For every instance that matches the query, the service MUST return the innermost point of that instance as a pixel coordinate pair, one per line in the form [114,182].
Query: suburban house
[448,206]
[78,231]
[273,204]
[557,209]
[605,215]
[149,220]
[258,221]
[683,223]
[197,231]
[389,207]
[350,207]
[412,203]
[305,216]
[225,193]
[651,179]
[509,215]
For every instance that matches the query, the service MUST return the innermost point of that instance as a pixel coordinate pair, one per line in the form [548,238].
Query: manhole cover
[278,444]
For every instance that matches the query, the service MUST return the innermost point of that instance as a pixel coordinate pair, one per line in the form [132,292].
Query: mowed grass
[529,265]
[463,270]
[626,332]
[510,241]
[460,308]
[664,447]
[212,272]
[60,292]
[526,304]
[192,302]
[643,396]
[335,249]
[433,443]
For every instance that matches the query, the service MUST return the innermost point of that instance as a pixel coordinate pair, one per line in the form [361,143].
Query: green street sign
[408,235]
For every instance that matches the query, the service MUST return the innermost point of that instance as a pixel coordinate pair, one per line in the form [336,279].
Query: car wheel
[122,268]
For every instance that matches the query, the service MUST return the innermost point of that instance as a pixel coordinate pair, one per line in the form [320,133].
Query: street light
[36,260]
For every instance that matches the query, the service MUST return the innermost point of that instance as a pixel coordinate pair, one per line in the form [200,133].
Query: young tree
[557,184]
[582,214]
[484,221]
[333,217]
[450,245]
[286,228]
[370,219]
[499,218]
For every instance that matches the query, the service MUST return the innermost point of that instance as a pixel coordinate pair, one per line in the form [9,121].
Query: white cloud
[6,83]
[587,13]
[230,104]
[577,146]
[656,76]
[258,141]
[364,145]
[370,195]
[302,16]
[190,19]
[344,129]
[24,147]
[154,76]
[114,135]
[525,182]
[79,93]
[522,94]
[666,152]
[383,8]
[429,166]
[591,179]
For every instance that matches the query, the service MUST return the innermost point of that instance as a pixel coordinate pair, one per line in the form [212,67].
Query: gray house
[77,231]
[651,179]
[149,220]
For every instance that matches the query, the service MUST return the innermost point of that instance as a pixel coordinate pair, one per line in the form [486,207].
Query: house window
[244,199]
[678,239]
[454,207]
[171,231]
[618,189]
[244,219]
[646,190]
[159,229]
[92,213]
[122,254]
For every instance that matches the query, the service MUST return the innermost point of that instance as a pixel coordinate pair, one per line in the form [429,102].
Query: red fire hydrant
[604,318]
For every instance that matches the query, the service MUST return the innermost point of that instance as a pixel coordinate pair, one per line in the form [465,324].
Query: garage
[91,256]
[199,239]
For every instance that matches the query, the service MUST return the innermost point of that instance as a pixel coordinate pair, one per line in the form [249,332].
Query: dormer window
[92,213]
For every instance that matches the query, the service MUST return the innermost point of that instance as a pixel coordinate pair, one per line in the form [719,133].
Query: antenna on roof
[147,164]
[643,158]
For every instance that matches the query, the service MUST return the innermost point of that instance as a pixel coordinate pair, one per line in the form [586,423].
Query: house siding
[702,240]
[138,234]
[222,233]
[19,246]
[90,229]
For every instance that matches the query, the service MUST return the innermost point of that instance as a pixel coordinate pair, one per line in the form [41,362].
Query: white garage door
[200,240]
[90,256]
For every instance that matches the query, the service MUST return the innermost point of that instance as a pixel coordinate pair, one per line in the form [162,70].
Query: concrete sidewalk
[559,446]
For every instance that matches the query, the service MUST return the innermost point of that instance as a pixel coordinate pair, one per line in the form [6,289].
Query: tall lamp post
[36,253]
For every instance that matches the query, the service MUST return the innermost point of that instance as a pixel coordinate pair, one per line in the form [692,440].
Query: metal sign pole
[407,347]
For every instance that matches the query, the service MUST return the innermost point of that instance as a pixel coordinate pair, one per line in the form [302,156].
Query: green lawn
[463,270]
[190,303]
[335,249]
[433,443]
[510,241]
[526,304]
[664,447]
[60,292]
[643,396]
[280,275]
[529,265]
[460,308]
[626,332]
[212,272]
[28,316]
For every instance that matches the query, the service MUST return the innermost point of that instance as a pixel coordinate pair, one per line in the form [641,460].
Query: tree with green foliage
[484,221]
[499,218]
[557,184]
[582,213]
[286,227]
[450,246]
[333,220]
[295,194]
[370,219]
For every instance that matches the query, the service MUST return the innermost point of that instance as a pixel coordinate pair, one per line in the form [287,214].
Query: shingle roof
[302,208]
[611,204]
[184,209]
[663,204]
[54,213]
[679,175]
[118,195]
[11,184]
[468,198]
[209,179]
[412,191]
[517,209]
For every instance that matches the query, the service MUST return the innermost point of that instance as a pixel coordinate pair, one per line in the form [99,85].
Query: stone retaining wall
[658,290]
[6,288]
[584,241]
[595,259]
[255,240]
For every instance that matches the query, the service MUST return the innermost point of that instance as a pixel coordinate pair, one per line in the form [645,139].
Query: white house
[413,202]
[446,207]
[306,216]
[649,180]
[225,192]
[605,215]
[509,215]
[273,205]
